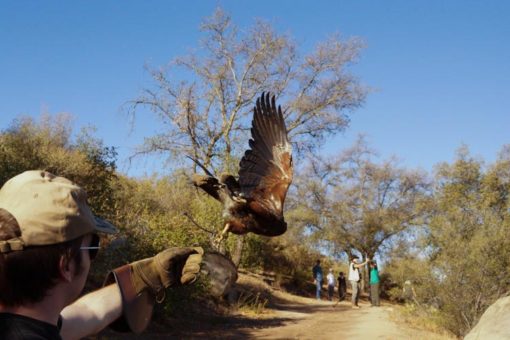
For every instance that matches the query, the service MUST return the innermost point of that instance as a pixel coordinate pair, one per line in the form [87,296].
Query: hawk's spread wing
[266,168]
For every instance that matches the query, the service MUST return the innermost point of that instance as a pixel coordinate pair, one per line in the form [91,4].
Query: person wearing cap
[48,238]
[355,279]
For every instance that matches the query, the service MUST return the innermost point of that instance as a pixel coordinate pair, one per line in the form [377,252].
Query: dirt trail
[319,320]
[292,317]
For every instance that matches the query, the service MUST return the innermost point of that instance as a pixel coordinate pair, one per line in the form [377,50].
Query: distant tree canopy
[353,204]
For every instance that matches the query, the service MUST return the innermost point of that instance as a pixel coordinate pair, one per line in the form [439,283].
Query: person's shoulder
[19,327]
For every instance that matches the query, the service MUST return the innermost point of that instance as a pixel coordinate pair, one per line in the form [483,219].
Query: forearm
[91,313]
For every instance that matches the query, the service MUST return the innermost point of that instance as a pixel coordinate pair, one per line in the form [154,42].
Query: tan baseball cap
[48,209]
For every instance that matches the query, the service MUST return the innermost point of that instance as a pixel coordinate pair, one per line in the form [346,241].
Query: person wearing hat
[48,238]
[355,278]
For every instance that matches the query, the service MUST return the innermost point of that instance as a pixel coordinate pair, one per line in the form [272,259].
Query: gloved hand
[171,267]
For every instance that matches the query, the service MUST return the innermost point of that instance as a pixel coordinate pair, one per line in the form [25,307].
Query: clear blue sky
[440,69]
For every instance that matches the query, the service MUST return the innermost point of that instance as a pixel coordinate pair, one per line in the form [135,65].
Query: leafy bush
[465,260]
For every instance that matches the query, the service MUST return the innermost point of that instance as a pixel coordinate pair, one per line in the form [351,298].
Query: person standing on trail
[48,240]
[317,277]
[331,284]
[342,286]
[355,278]
[374,284]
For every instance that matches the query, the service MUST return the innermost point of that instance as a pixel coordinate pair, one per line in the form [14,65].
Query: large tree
[356,204]
[205,98]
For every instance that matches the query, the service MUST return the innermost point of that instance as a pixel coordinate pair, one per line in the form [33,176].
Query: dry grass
[420,319]
[253,296]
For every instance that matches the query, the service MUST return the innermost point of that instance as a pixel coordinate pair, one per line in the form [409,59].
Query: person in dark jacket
[342,286]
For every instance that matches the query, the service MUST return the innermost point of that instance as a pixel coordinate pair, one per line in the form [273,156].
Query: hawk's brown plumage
[254,202]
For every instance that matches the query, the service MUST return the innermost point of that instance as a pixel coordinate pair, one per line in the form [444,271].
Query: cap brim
[104,226]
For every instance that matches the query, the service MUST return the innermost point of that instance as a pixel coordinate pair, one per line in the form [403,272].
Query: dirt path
[292,317]
[319,320]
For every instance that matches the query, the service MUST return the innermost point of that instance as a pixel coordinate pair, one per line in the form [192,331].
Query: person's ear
[65,270]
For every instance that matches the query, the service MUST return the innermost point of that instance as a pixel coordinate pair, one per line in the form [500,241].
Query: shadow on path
[281,312]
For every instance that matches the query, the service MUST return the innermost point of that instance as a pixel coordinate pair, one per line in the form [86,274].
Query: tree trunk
[366,276]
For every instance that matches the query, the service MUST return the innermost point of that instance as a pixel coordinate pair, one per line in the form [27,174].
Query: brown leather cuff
[136,308]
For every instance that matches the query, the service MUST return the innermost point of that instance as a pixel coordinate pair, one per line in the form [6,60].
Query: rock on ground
[494,323]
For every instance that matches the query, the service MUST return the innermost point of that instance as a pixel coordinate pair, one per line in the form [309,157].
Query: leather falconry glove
[169,268]
[142,282]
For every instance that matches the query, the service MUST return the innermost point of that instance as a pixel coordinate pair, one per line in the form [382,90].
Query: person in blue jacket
[318,277]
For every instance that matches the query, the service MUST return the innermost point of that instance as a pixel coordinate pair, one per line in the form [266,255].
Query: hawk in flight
[253,202]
